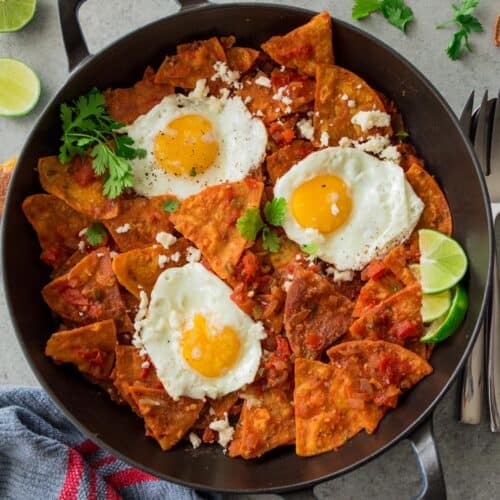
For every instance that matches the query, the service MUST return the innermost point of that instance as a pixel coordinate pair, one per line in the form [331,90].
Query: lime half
[19,87]
[442,261]
[16,14]
[441,328]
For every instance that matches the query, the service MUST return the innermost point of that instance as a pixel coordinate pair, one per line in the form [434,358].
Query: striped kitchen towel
[43,456]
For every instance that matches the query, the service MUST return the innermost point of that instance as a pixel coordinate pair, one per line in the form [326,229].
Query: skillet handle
[425,448]
[74,42]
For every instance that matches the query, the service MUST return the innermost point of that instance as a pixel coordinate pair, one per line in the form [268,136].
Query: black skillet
[435,133]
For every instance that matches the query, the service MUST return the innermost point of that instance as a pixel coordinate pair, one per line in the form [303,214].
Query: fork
[485,132]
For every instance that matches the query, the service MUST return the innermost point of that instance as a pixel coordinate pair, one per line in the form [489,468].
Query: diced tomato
[280,134]
[84,173]
[242,300]
[313,341]
[250,265]
[283,347]
[404,330]
[51,255]
[375,269]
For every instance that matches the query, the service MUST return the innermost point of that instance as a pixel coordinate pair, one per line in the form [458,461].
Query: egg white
[242,143]
[178,295]
[385,209]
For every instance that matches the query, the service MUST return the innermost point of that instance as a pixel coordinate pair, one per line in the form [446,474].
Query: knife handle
[494,352]
[472,383]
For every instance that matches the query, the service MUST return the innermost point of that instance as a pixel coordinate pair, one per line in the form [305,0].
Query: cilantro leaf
[171,205]
[96,234]
[88,129]
[397,13]
[466,24]
[270,240]
[310,248]
[363,8]
[402,134]
[275,211]
[250,223]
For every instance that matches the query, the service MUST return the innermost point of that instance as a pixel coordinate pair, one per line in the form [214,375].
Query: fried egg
[348,205]
[201,343]
[195,141]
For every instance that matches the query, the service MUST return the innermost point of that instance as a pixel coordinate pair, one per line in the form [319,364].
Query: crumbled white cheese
[359,86]
[259,113]
[165,239]
[224,73]
[345,142]
[306,129]
[369,119]
[263,81]
[251,401]
[113,254]
[298,257]
[248,99]
[81,246]
[351,103]
[374,144]
[282,97]
[145,364]
[343,275]
[391,153]
[200,90]
[344,97]
[123,229]
[324,138]
[139,320]
[224,429]
[100,254]
[194,439]
[83,232]
[175,257]
[193,254]
[251,293]
[286,285]
[162,260]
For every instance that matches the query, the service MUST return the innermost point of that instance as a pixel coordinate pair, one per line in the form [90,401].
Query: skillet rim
[81,68]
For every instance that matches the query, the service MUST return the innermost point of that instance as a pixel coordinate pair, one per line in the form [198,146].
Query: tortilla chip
[396,319]
[129,371]
[315,314]
[266,422]
[139,269]
[6,169]
[436,214]
[304,47]
[336,89]
[90,348]
[193,62]
[241,58]
[88,293]
[282,160]
[57,226]
[325,416]
[143,219]
[209,218]
[299,88]
[287,254]
[126,105]
[166,420]
[59,180]
[387,367]
[68,264]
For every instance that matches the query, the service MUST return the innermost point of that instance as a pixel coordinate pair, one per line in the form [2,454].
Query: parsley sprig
[395,11]
[466,24]
[250,224]
[89,129]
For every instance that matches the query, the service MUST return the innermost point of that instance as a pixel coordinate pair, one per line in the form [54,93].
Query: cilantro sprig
[395,11]
[250,224]
[89,129]
[310,248]
[466,24]
[171,205]
[96,234]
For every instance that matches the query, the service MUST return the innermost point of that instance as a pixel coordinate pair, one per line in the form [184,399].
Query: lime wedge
[16,14]
[441,328]
[19,87]
[436,305]
[442,261]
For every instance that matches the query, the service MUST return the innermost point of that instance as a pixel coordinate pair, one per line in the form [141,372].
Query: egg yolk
[186,146]
[322,203]
[211,353]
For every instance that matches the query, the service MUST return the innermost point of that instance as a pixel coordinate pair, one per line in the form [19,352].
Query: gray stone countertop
[470,454]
